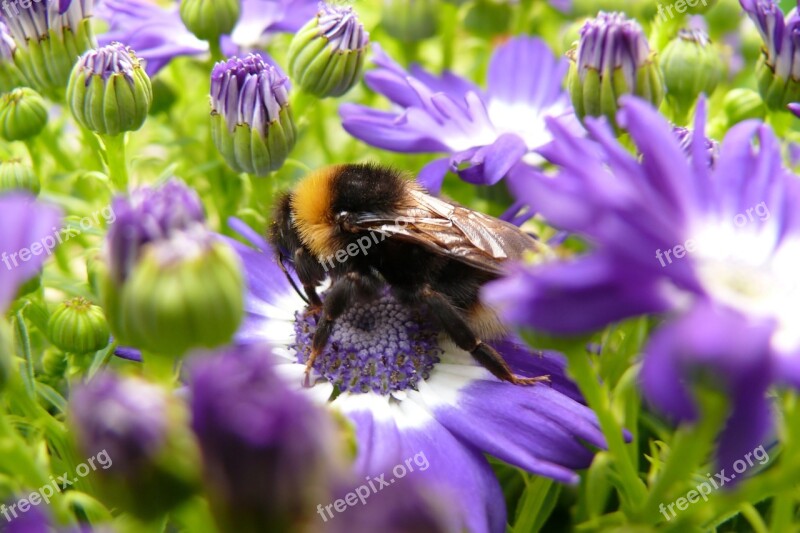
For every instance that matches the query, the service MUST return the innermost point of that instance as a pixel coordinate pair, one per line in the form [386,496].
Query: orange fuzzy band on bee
[311,202]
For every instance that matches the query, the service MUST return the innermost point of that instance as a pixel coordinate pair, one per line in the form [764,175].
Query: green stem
[36,161]
[689,447]
[52,145]
[632,488]
[115,157]
[159,368]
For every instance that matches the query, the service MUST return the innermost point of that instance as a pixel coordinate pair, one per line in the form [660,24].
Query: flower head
[326,56]
[487,132]
[406,393]
[778,70]
[269,452]
[162,257]
[24,223]
[149,215]
[49,37]
[249,94]
[110,112]
[612,59]
[713,245]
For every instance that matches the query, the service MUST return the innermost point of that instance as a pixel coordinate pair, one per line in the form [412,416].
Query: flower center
[382,347]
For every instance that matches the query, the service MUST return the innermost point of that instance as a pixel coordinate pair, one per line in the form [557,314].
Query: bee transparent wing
[455,231]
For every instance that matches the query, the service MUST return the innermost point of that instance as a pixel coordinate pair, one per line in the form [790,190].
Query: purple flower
[7,44]
[716,248]
[149,215]
[23,224]
[124,418]
[268,451]
[779,71]
[158,34]
[34,22]
[489,131]
[406,393]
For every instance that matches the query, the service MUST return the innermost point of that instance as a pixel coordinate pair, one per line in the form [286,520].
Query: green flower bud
[16,175]
[776,91]
[743,104]
[251,122]
[327,56]
[109,92]
[209,19]
[612,59]
[10,76]
[50,37]
[185,292]
[410,21]
[23,114]
[691,66]
[78,327]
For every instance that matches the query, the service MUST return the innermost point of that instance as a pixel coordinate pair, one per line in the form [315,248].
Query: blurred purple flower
[23,223]
[405,393]
[33,22]
[123,417]
[148,215]
[158,34]
[717,247]
[269,452]
[485,133]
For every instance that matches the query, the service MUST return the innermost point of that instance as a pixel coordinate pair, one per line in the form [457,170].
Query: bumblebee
[366,226]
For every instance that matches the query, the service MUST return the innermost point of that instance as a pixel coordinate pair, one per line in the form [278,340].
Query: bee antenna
[291,279]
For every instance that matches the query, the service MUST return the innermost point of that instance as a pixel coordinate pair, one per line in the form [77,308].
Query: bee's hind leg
[455,325]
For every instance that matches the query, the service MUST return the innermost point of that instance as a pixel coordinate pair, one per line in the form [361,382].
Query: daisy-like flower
[158,34]
[24,224]
[715,247]
[484,133]
[407,391]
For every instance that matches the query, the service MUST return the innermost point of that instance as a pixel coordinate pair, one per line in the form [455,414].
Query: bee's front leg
[350,288]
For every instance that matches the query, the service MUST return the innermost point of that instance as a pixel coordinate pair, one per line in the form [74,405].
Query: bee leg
[311,274]
[350,288]
[457,328]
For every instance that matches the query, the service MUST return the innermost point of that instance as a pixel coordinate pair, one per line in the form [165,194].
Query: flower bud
[23,114]
[248,420]
[209,19]
[186,292]
[54,367]
[326,57]
[777,71]
[251,122]
[170,284]
[691,66]
[16,175]
[10,76]
[78,327]
[109,92]
[612,58]
[50,36]
[135,431]
[410,21]
[743,104]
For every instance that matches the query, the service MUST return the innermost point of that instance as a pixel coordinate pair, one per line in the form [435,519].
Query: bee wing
[454,231]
